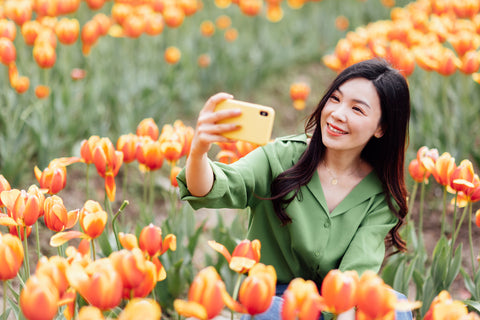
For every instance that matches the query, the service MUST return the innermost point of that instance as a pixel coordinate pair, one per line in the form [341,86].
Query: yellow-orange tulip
[30,31]
[99,283]
[245,255]
[418,172]
[56,217]
[172,55]
[173,176]
[46,8]
[443,307]
[23,207]
[231,34]
[301,301]
[148,127]
[39,298]
[89,35]
[339,290]
[173,16]
[442,168]
[128,240]
[135,271]
[127,144]
[223,22]
[8,53]
[134,25]
[375,300]
[149,153]
[150,241]
[93,219]
[7,29]
[204,60]
[108,161]
[205,296]
[42,91]
[299,92]
[11,255]
[55,268]
[462,177]
[21,84]
[95,4]
[65,7]
[207,28]
[250,7]
[87,147]
[154,24]
[90,313]
[187,133]
[44,55]
[54,177]
[172,147]
[141,309]
[470,62]
[4,186]
[189,7]
[67,30]
[465,9]
[18,11]
[257,290]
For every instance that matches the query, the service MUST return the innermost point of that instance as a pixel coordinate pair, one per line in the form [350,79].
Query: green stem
[444,210]
[459,226]
[114,228]
[25,244]
[86,181]
[470,239]
[94,255]
[454,223]
[38,240]
[235,291]
[420,216]
[125,181]
[412,199]
[150,195]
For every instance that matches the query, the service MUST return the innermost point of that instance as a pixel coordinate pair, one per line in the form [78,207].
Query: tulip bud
[11,255]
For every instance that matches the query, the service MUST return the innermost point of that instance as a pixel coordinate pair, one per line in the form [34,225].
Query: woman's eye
[358,109]
[334,98]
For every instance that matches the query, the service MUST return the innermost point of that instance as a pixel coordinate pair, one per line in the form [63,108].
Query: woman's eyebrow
[356,100]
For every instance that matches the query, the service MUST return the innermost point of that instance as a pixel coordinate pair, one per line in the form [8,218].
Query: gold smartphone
[256,121]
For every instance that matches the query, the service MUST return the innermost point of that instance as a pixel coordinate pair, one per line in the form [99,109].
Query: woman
[331,198]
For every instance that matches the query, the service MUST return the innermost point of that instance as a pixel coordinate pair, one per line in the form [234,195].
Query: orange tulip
[299,92]
[189,7]
[18,11]
[187,133]
[173,176]
[127,144]
[135,271]
[46,7]
[120,11]
[11,255]
[93,219]
[257,290]
[250,7]
[87,147]
[447,62]
[95,4]
[477,218]
[44,54]
[56,216]
[223,22]
[172,55]
[99,283]
[301,301]
[42,91]
[7,29]
[470,62]
[67,30]
[4,186]
[339,290]
[89,313]
[231,34]
[204,60]
[128,240]
[21,84]
[108,161]
[150,241]
[342,23]
[154,24]
[171,145]
[54,177]
[173,16]
[39,298]
[89,35]
[465,9]
[148,127]
[65,7]
[141,309]
[149,153]
[207,28]
[227,156]
[104,23]
[55,268]
[418,172]
[245,255]
[442,168]
[375,300]
[30,31]
[205,296]
[443,307]
[8,53]
[244,148]
[134,25]
[23,208]
[462,178]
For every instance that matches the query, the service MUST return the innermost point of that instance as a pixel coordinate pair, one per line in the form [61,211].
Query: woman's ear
[379,133]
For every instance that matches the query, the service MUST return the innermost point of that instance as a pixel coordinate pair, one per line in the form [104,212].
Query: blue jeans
[274,312]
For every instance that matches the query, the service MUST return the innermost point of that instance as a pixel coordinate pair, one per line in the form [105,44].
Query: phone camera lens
[264,113]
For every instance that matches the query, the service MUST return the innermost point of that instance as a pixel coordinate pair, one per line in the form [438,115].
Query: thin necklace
[333,177]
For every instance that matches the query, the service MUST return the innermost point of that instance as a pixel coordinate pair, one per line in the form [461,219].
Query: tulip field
[98,103]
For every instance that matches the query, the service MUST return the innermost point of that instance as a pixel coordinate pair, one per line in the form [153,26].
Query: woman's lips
[335,130]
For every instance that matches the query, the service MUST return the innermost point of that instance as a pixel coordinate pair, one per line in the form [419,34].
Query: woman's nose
[339,114]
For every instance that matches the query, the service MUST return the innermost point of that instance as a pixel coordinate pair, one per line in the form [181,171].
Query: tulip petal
[190,309]
[63,237]
[7,221]
[110,187]
[241,264]
[220,248]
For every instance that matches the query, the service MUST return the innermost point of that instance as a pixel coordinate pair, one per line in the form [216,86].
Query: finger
[215,99]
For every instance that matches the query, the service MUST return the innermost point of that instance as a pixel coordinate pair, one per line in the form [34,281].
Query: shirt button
[316,253]
[327,224]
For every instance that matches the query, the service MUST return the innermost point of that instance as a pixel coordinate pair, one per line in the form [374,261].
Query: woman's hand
[199,174]
[208,131]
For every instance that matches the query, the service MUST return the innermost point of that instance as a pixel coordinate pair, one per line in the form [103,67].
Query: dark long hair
[385,154]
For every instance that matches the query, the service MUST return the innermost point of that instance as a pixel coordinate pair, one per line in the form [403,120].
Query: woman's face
[351,116]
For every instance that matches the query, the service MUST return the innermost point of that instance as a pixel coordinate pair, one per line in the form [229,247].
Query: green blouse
[351,237]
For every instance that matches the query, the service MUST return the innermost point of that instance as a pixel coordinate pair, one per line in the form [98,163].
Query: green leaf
[105,243]
[454,267]
[472,305]
[193,240]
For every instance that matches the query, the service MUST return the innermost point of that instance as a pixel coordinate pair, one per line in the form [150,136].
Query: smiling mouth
[335,129]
